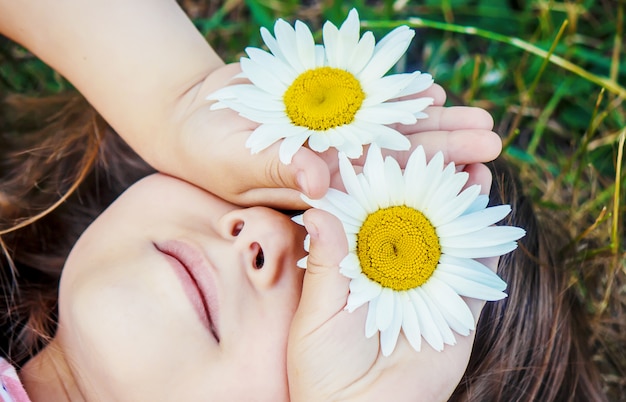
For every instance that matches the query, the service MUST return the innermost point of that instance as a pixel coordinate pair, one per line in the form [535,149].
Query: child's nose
[265,242]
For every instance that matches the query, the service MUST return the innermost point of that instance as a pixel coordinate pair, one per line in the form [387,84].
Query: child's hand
[329,357]
[208,149]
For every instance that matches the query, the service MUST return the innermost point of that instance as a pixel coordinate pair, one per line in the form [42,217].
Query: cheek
[125,324]
[263,364]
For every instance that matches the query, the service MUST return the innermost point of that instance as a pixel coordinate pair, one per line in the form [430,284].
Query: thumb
[324,289]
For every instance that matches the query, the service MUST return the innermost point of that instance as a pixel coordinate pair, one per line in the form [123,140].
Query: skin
[330,359]
[154,96]
[127,330]
[110,344]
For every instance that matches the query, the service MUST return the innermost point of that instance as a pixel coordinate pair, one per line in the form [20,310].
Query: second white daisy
[414,238]
[334,95]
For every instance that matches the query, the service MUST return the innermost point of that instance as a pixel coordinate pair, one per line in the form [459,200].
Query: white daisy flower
[414,238]
[335,95]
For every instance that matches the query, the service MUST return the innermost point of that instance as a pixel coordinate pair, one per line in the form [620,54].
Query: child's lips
[195,273]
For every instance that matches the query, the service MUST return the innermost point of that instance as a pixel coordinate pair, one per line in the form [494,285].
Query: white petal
[351,145]
[332,137]
[262,78]
[250,96]
[468,223]
[367,189]
[446,212]
[303,262]
[352,242]
[413,106]
[320,56]
[410,323]
[485,237]
[466,286]
[369,132]
[448,190]
[352,185]
[455,311]
[286,38]
[389,337]
[299,219]
[265,135]
[349,209]
[260,116]
[350,28]
[374,171]
[480,203]
[228,92]
[421,83]
[384,309]
[480,252]
[306,45]
[387,53]
[330,35]
[395,181]
[414,177]
[319,141]
[362,290]
[395,35]
[362,53]
[386,88]
[371,325]
[438,318]
[429,329]
[385,114]
[291,145]
[307,242]
[347,40]
[351,229]
[271,43]
[429,181]
[472,269]
[255,98]
[273,64]
[329,203]
[350,266]
[388,138]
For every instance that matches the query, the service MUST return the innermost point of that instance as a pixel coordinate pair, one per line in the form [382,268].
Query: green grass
[553,75]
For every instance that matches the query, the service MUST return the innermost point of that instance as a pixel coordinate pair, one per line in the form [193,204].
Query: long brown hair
[529,347]
[60,166]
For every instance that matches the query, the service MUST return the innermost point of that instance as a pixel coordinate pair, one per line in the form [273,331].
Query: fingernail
[303,185]
[312,230]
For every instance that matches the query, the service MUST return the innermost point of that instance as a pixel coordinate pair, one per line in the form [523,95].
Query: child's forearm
[134,60]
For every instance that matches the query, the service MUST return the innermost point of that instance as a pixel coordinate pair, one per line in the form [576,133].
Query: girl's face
[175,294]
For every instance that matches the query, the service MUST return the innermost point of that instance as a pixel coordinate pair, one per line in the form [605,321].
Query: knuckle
[276,174]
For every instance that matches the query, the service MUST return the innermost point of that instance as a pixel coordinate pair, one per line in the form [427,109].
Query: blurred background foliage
[552,74]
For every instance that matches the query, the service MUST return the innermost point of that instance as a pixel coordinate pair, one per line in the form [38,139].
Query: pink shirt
[11,389]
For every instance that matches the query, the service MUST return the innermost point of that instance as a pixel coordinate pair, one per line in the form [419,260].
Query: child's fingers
[462,147]
[273,183]
[451,118]
[234,173]
[325,290]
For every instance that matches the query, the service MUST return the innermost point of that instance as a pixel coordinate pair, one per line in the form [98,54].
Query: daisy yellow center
[398,247]
[323,98]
